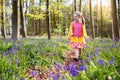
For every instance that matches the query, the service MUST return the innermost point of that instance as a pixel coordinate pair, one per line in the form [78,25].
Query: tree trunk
[58,1]
[91,19]
[15,20]
[75,6]
[22,18]
[79,5]
[101,24]
[97,27]
[115,20]
[39,19]
[47,20]
[3,19]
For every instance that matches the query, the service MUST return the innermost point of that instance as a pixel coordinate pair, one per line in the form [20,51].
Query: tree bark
[39,19]
[3,19]
[91,22]
[97,27]
[75,6]
[101,24]
[80,5]
[15,20]
[115,20]
[47,20]
[22,18]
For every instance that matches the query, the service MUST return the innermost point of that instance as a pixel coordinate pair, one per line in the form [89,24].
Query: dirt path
[35,74]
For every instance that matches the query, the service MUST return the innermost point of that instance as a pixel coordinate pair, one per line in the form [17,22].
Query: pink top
[77,29]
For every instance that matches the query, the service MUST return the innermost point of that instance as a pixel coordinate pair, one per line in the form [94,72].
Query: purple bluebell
[97,51]
[74,72]
[10,70]
[63,78]
[38,78]
[21,43]
[17,62]
[59,65]
[111,61]
[55,77]
[11,50]
[89,58]
[10,61]
[82,67]
[15,47]
[22,79]
[6,53]
[113,45]
[101,62]
[83,62]
[65,68]
[33,73]
[72,69]
[95,54]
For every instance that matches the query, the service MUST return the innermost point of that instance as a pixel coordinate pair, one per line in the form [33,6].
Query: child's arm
[70,33]
[84,32]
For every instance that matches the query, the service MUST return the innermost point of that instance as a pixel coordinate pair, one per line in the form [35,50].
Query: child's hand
[87,38]
[69,37]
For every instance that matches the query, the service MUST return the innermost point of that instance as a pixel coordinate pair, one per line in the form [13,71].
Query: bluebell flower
[95,54]
[101,62]
[22,79]
[38,78]
[111,61]
[113,45]
[15,47]
[17,62]
[33,73]
[63,78]
[74,72]
[65,68]
[21,43]
[6,53]
[89,58]
[82,67]
[59,65]
[10,61]
[55,77]
[72,69]
[97,51]
[83,62]
[10,70]
[11,50]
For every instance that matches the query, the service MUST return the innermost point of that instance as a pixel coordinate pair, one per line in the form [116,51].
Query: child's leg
[80,52]
[76,51]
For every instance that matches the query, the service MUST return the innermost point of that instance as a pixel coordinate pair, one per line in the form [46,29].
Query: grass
[101,56]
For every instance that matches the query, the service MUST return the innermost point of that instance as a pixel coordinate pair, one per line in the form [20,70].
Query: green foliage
[43,53]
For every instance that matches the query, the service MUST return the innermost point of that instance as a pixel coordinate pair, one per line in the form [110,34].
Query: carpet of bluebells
[100,60]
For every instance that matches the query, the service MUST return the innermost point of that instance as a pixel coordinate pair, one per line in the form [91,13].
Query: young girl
[77,34]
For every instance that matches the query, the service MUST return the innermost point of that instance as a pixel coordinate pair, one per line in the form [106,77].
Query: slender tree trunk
[91,19]
[47,20]
[119,17]
[15,20]
[101,24]
[97,27]
[80,5]
[40,19]
[115,20]
[75,6]
[22,18]
[3,19]
[59,10]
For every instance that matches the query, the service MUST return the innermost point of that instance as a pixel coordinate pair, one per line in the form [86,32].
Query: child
[77,34]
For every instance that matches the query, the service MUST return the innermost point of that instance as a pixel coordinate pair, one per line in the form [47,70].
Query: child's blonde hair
[78,13]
